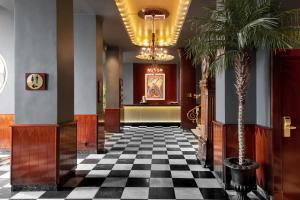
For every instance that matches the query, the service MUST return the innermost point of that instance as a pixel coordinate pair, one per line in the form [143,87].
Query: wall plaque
[36,81]
[3,73]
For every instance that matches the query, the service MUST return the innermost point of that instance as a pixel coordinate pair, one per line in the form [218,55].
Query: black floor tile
[110,192]
[137,182]
[141,167]
[143,156]
[193,162]
[91,182]
[117,149]
[189,152]
[81,173]
[55,195]
[160,174]
[130,152]
[173,149]
[145,149]
[203,174]
[213,193]
[179,167]
[119,173]
[184,182]
[175,156]
[161,193]
[125,161]
[111,156]
[160,161]
[90,161]
[103,167]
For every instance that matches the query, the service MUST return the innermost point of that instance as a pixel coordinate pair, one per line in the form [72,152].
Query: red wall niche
[170,71]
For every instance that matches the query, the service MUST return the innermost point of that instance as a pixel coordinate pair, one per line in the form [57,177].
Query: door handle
[287,126]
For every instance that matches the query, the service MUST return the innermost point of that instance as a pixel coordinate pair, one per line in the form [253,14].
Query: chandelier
[156,53]
[153,52]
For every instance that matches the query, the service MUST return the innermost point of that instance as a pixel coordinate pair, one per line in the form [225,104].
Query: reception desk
[141,113]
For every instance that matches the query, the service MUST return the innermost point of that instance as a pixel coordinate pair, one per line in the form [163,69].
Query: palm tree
[232,31]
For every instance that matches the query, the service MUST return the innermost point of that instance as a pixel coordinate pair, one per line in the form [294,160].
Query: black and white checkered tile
[141,163]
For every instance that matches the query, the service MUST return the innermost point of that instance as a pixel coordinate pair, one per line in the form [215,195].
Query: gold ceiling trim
[167,31]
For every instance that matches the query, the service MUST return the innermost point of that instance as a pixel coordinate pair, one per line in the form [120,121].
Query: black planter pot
[243,177]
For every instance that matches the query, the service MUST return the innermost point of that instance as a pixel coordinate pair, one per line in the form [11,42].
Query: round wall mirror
[3,73]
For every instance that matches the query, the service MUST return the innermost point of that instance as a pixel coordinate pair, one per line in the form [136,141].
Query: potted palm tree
[228,35]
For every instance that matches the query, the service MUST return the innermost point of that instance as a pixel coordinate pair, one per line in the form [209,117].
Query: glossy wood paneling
[6,120]
[112,120]
[34,155]
[285,102]
[139,71]
[67,148]
[42,154]
[101,138]
[207,116]
[187,89]
[226,145]
[218,148]
[263,150]
[87,132]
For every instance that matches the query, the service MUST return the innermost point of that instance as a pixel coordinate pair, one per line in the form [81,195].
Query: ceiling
[138,19]
[114,31]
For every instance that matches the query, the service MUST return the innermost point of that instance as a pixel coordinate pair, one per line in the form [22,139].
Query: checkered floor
[142,163]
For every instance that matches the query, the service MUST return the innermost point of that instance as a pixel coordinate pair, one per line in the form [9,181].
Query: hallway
[141,163]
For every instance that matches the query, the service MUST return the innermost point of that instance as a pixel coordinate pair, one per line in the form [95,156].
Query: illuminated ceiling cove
[140,31]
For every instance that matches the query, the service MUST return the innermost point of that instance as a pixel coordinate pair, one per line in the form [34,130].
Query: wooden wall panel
[87,132]
[112,120]
[139,71]
[6,120]
[34,155]
[226,145]
[263,149]
[67,148]
[218,148]
[232,140]
[42,155]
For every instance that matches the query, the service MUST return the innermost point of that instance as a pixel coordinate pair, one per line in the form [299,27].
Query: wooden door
[187,89]
[288,101]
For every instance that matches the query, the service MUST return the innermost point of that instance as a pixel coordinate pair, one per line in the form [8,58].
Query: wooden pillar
[207,116]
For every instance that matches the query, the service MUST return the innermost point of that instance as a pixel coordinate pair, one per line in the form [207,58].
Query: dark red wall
[139,71]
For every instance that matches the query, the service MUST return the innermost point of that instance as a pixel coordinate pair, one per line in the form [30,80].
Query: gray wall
[263,92]
[44,43]
[35,51]
[226,98]
[220,98]
[7,97]
[128,83]
[85,64]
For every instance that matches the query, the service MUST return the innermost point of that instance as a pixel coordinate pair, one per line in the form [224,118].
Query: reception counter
[144,113]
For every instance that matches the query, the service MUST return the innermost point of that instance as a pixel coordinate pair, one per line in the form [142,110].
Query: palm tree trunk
[242,64]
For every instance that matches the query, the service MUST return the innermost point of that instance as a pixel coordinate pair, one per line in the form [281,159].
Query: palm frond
[290,25]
